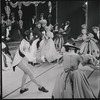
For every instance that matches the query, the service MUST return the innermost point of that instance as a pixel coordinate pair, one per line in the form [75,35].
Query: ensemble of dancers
[42,43]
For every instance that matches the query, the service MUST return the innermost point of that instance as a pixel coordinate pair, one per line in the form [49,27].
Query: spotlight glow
[86,3]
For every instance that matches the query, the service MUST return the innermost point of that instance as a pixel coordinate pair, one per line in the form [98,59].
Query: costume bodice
[84,36]
[88,36]
[71,61]
[49,34]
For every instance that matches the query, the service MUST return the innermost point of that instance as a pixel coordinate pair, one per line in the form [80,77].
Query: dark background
[67,10]
[73,11]
[93,14]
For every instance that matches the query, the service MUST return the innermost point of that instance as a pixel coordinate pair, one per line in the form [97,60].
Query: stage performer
[72,82]
[58,38]
[89,42]
[21,60]
[47,47]
[66,31]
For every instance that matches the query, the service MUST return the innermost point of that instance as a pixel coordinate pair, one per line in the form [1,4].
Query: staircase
[13,45]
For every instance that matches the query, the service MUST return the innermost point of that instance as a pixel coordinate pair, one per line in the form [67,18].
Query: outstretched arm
[96,67]
[78,38]
[90,61]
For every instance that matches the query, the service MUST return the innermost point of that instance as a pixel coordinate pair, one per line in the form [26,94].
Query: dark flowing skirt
[59,41]
[72,84]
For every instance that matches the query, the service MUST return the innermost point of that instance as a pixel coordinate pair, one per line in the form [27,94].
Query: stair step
[13,48]
[13,43]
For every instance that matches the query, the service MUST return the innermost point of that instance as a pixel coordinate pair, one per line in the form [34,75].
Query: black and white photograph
[50,49]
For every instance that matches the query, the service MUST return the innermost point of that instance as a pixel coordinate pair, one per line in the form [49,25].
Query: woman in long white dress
[21,60]
[47,46]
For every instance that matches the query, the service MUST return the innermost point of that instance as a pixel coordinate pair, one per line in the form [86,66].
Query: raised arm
[96,67]
[78,38]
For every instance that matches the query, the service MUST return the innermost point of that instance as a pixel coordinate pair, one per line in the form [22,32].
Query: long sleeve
[21,47]
[24,47]
[89,60]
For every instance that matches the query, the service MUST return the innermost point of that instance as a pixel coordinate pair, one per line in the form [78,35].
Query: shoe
[22,91]
[31,63]
[14,68]
[42,89]
[54,61]
[52,97]
[36,64]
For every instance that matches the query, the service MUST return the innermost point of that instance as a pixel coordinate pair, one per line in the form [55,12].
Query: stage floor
[46,74]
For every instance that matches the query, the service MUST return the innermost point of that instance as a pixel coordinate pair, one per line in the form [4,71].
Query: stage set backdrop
[61,11]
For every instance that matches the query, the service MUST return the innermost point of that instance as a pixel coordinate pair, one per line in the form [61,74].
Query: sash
[21,54]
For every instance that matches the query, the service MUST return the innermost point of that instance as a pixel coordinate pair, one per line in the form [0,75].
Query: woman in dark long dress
[58,38]
[66,34]
[72,82]
[15,34]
